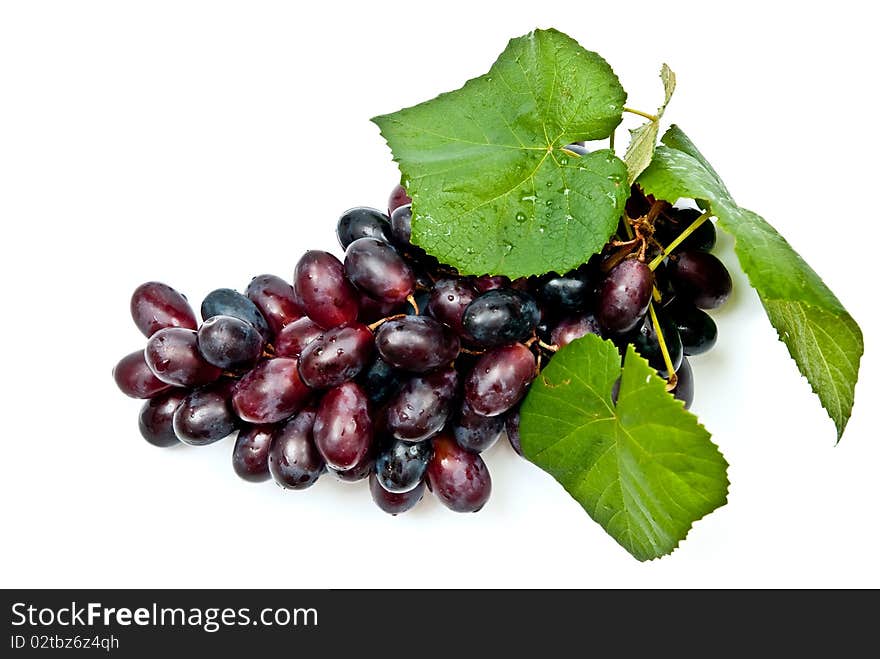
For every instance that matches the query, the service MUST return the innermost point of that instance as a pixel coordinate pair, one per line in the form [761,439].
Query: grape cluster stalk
[389,366]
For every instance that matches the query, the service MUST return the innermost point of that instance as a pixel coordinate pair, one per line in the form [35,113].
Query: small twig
[672,380]
[646,115]
[413,304]
[382,321]
[666,251]
[550,347]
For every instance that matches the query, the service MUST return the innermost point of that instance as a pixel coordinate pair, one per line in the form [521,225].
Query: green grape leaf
[494,190]
[643,139]
[642,467]
[822,338]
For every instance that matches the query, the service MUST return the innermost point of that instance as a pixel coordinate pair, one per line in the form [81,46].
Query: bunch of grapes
[391,367]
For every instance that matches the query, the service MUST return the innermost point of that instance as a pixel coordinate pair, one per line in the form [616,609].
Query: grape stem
[672,380]
[550,347]
[646,115]
[382,321]
[666,251]
[413,304]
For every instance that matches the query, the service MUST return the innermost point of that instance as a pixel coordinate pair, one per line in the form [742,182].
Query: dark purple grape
[376,268]
[696,328]
[474,432]
[271,392]
[276,301]
[155,306]
[381,381]
[250,457]
[156,421]
[173,356]
[458,478]
[230,343]
[363,469]
[394,504]
[487,283]
[362,222]
[326,295]
[684,389]
[205,416]
[293,339]
[701,278]
[512,427]
[371,310]
[422,407]
[401,465]
[401,224]
[638,205]
[500,379]
[671,223]
[625,295]
[501,316]
[227,302]
[644,339]
[571,328]
[336,356]
[448,301]
[571,293]
[416,343]
[294,461]
[134,378]
[398,198]
[343,428]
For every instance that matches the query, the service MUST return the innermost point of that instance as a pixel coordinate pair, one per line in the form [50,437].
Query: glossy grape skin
[696,328]
[155,306]
[293,338]
[500,379]
[375,268]
[205,416]
[401,224]
[458,478]
[227,302]
[422,406]
[572,328]
[673,222]
[416,343]
[684,389]
[362,222]
[173,356]
[156,420]
[135,378]
[294,461]
[701,278]
[229,343]
[624,296]
[250,457]
[343,428]
[363,469]
[448,301]
[644,339]
[394,504]
[401,465]
[572,293]
[398,198]
[370,310]
[270,392]
[511,425]
[326,295]
[276,301]
[337,356]
[381,381]
[579,149]
[474,432]
[486,283]
[501,316]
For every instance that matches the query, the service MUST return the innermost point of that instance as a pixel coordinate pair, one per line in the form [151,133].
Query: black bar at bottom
[402,623]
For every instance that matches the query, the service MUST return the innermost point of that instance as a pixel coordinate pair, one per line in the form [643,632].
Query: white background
[203,143]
